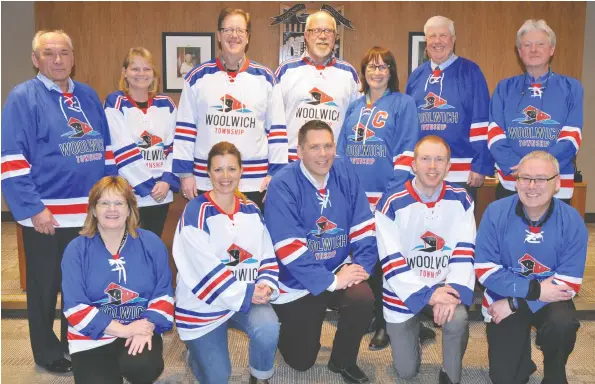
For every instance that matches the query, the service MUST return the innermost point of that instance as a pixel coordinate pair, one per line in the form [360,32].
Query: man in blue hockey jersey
[55,146]
[452,100]
[530,255]
[323,231]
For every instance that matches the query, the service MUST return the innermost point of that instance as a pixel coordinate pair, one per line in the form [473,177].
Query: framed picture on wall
[183,51]
[417,50]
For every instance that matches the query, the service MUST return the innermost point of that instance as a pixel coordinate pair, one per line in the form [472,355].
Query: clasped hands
[444,301]
[349,275]
[262,293]
[139,333]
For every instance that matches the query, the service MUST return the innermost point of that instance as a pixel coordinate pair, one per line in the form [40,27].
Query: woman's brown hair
[117,185]
[389,59]
[226,148]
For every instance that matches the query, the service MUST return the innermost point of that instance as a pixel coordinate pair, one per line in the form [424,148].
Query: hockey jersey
[55,147]
[244,108]
[379,141]
[529,114]
[423,246]
[316,92]
[315,231]
[99,288]
[219,258]
[510,253]
[142,141]
[453,104]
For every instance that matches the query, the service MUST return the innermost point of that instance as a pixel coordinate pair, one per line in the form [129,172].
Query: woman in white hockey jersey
[227,274]
[141,124]
[234,99]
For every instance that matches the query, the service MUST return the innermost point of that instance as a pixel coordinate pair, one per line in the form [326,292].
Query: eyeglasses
[540,182]
[230,31]
[318,31]
[105,204]
[381,68]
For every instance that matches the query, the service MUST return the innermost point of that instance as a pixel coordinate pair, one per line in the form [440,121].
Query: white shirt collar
[50,85]
[311,178]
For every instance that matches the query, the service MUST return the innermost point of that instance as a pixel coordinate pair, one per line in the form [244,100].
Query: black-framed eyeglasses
[539,181]
[373,67]
[230,31]
[318,31]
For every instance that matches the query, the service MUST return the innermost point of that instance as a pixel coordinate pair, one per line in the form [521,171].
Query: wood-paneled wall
[102,32]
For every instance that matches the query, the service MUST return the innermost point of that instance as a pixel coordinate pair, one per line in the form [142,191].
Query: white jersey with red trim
[143,142]
[99,288]
[220,258]
[312,92]
[423,246]
[244,108]
[511,253]
[55,147]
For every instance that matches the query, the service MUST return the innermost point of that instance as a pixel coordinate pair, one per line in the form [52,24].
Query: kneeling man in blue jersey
[318,215]
[531,251]
[426,233]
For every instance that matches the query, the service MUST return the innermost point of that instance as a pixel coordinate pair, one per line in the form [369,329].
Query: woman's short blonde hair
[144,54]
[118,186]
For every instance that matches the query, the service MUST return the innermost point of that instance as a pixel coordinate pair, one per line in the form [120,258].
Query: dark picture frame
[417,50]
[182,51]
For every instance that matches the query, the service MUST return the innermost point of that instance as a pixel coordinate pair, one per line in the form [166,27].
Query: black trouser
[502,192]
[255,196]
[110,363]
[376,285]
[301,325]
[43,255]
[509,343]
[153,218]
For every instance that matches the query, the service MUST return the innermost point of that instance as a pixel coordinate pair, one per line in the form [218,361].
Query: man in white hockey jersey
[316,86]
[426,233]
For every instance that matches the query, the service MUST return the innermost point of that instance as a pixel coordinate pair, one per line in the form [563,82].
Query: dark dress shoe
[350,374]
[373,325]
[426,334]
[254,380]
[59,366]
[379,341]
[443,378]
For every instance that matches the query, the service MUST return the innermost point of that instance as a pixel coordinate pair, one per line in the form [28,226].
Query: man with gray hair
[538,110]
[456,88]
[317,86]
[55,146]
[530,255]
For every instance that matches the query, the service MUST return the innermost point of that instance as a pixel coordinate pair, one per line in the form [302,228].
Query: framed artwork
[293,24]
[183,51]
[417,50]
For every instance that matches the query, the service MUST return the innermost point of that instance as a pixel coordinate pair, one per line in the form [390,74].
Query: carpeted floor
[18,366]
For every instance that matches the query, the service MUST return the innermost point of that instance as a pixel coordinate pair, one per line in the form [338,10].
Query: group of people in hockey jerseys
[346,226]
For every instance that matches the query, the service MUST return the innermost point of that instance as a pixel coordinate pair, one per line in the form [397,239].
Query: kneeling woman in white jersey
[227,274]
[141,124]
[234,99]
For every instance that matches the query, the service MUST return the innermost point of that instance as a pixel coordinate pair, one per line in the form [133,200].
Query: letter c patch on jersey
[379,119]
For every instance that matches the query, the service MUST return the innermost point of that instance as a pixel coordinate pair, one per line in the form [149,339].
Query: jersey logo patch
[530,266]
[238,255]
[231,104]
[360,131]
[432,242]
[435,101]
[324,225]
[117,295]
[536,90]
[79,129]
[148,140]
[318,97]
[534,115]
[533,237]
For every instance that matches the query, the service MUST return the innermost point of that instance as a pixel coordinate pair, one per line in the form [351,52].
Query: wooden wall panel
[102,32]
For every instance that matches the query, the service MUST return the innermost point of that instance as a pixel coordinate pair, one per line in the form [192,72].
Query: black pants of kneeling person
[509,343]
[153,218]
[110,363]
[301,325]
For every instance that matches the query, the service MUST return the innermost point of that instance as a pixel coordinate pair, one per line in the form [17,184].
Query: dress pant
[43,254]
[153,218]
[301,326]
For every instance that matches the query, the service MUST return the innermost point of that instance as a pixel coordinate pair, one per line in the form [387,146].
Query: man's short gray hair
[440,21]
[531,25]
[35,44]
[310,17]
[541,155]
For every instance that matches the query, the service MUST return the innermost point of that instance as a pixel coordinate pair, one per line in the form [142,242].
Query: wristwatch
[512,304]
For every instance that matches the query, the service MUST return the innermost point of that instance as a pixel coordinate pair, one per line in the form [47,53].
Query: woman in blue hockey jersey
[142,123]
[378,136]
[118,297]
[227,274]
